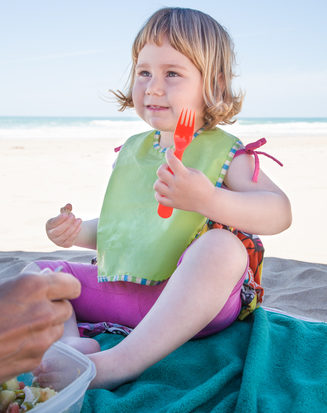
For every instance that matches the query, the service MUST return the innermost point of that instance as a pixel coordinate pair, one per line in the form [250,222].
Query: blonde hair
[209,47]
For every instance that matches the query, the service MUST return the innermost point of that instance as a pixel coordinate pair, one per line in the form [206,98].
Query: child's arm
[254,207]
[87,237]
[66,230]
[257,208]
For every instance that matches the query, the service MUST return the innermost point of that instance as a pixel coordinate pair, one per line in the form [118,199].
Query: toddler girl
[189,275]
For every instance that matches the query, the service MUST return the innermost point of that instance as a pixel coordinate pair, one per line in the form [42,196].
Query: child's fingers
[163,200]
[67,238]
[58,225]
[161,187]
[59,234]
[56,221]
[72,237]
[174,163]
[164,174]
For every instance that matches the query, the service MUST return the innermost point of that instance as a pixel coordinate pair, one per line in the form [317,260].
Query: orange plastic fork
[183,137]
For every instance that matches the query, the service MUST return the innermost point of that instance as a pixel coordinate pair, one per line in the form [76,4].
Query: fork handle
[179,154]
[166,211]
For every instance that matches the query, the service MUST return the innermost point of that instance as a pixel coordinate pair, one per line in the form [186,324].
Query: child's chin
[161,125]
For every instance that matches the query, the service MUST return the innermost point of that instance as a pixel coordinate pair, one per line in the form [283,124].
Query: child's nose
[154,87]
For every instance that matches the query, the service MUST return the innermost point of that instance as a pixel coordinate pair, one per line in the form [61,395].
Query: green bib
[134,244]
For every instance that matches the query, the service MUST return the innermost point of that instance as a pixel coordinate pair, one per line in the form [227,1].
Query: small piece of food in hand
[66,209]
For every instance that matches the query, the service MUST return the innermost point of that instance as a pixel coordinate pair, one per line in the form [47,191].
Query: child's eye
[144,73]
[172,74]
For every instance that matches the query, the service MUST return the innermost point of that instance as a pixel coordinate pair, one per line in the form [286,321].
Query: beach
[41,174]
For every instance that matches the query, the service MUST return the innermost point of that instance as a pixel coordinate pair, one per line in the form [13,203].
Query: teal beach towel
[267,363]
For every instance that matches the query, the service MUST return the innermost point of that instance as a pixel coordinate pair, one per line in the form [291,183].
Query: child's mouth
[156,107]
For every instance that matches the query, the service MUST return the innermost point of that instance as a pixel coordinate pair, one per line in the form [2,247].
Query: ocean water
[122,127]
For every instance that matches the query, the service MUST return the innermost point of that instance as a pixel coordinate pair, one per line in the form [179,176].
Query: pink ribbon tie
[250,150]
[118,148]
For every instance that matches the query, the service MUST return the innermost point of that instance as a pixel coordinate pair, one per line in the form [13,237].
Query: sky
[60,57]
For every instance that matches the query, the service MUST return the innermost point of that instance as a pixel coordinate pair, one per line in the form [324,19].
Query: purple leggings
[127,303]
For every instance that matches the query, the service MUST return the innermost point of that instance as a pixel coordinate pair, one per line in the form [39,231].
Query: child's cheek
[136,95]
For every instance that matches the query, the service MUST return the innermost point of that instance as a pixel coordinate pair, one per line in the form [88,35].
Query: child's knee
[226,250]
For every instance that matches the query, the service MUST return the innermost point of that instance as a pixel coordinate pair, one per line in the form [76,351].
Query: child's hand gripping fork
[183,137]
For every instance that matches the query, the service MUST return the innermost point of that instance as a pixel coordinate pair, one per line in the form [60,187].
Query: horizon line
[137,118]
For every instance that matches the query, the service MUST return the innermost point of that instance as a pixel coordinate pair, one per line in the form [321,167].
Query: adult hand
[64,228]
[33,308]
[186,188]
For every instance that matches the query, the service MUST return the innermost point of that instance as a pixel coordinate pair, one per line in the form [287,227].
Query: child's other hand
[188,189]
[64,229]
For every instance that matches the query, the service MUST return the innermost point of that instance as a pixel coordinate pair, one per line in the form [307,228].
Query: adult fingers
[61,311]
[54,333]
[62,286]
[48,314]
[40,340]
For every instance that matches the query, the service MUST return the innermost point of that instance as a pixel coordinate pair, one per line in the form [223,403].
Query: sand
[291,287]
[38,176]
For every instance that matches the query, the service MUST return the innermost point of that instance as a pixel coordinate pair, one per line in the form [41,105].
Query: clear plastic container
[79,372]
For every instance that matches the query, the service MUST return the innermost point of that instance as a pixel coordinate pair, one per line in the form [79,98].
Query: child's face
[166,81]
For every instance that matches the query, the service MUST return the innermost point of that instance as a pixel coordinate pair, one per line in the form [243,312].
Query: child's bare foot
[82,344]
